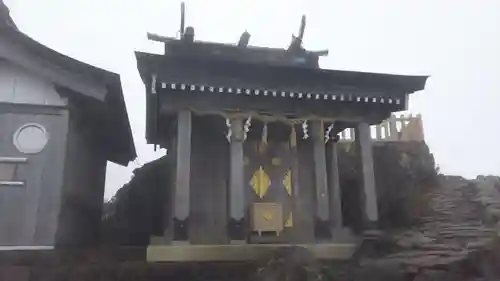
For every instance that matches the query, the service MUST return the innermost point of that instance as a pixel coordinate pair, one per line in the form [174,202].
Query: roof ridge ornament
[187,35]
[5,18]
[296,44]
[183,12]
[244,39]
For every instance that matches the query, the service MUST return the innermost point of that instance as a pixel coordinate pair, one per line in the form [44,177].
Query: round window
[31,138]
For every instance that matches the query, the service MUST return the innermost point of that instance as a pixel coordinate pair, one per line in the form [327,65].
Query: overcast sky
[456,42]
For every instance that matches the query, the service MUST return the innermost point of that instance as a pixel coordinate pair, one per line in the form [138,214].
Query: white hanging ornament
[304,130]
[229,132]
[328,132]
[246,127]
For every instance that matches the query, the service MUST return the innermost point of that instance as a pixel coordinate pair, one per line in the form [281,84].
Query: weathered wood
[334,186]
[320,174]
[306,199]
[322,227]
[220,155]
[296,190]
[369,194]
[85,166]
[208,216]
[237,204]
[168,200]
[183,176]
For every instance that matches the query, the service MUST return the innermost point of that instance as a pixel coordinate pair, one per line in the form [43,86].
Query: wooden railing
[397,128]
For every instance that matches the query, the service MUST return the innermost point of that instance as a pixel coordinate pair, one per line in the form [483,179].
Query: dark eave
[274,77]
[116,121]
[333,96]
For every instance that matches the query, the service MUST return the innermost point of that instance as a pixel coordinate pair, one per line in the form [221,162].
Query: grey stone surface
[452,240]
[488,190]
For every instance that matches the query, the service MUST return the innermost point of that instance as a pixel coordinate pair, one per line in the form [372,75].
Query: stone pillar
[334,186]
[181,191]
[320,174]
[237,202]
[368,192]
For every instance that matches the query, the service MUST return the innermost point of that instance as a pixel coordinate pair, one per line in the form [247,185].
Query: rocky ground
[432,228]
[457,239]
[454,241]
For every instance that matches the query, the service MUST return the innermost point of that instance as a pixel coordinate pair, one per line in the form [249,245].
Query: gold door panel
[269,178]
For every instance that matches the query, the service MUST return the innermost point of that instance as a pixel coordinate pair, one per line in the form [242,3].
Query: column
[334,184]
[393,128]
[368,192]
[322,229]
[237,204]
[182,177]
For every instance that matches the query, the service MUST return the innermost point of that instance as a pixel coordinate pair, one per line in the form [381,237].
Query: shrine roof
[262,76]
[247,54]
[5,18]
[25,51]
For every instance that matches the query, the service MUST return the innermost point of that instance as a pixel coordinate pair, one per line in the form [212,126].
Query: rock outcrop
[404,172]
[488,188]
[453,241]
[136,211]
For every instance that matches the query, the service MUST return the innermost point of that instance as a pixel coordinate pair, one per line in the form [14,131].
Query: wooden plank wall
[304,219]
[209,185]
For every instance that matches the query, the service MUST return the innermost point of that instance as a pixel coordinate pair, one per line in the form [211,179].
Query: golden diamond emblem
[260,182]
[287,182]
